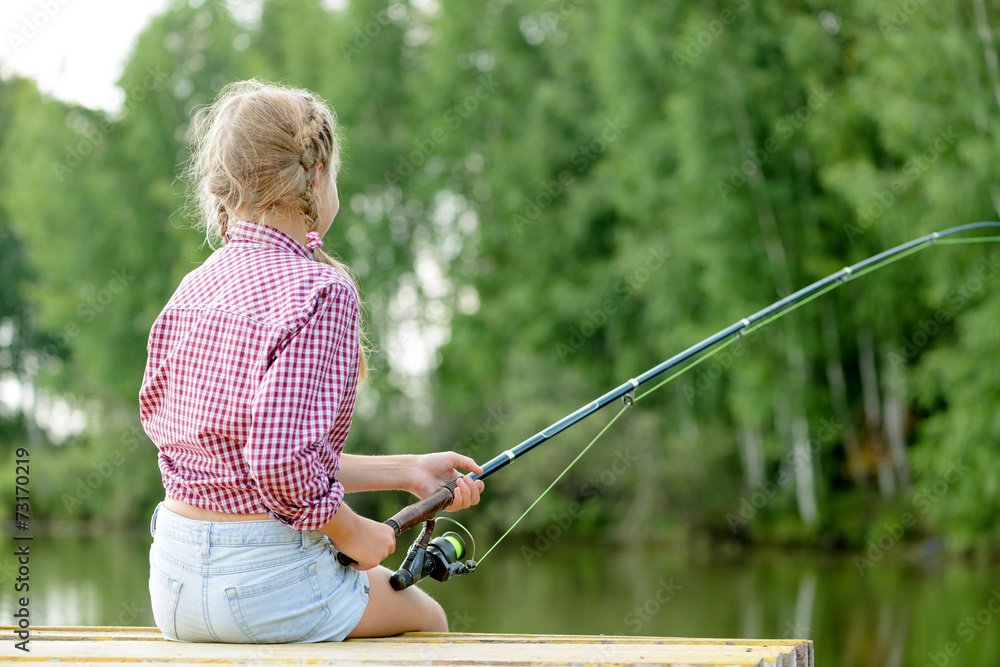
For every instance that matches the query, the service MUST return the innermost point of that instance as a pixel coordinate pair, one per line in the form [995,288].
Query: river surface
[882,614]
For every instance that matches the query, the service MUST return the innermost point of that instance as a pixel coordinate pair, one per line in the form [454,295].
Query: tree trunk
[30,409]
[894,419]
[752,454]
[869,378]
[805,601]
[873,413]
[805,492]
[838,395]
[989,49]
[805,478]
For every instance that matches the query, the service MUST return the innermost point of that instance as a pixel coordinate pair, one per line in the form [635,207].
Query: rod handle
[414,514]
[423,510]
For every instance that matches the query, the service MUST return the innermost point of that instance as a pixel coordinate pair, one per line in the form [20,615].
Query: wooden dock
[96,646]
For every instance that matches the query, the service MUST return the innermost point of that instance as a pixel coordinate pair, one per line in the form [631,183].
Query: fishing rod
[440,558]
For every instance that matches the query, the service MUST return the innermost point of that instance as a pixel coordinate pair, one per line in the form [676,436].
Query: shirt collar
[246,233]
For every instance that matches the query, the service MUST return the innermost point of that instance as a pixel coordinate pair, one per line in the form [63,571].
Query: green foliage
[553,197]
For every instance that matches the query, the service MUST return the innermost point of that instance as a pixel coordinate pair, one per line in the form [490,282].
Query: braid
[222,219]
[312,143]
[309,141]
[257,151]
[309,207]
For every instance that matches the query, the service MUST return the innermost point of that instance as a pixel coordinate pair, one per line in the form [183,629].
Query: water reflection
[887,616]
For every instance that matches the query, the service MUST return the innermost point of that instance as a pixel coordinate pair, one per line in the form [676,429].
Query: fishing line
[549,488]
[440,558]
[858,274]
[794,302]
[976,239]
[467,532]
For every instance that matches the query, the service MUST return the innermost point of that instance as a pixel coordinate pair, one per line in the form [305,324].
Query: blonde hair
[258,149]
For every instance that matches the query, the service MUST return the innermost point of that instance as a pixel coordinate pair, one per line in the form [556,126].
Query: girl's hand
[466,494]
[367,542]
[432,471]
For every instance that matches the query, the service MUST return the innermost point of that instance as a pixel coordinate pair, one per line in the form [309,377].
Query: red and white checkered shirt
[249,387]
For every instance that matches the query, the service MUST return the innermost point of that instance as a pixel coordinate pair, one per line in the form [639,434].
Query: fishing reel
[440,558]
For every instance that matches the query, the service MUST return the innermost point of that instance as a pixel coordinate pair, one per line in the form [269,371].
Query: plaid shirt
[249,387]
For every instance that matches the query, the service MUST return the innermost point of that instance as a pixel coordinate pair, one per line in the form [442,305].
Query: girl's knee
[430,613]
[390,612]
[437,620]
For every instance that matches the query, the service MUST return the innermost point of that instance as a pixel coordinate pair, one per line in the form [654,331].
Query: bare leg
[392,612]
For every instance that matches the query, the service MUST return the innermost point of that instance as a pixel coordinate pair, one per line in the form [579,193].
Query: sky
[74,49]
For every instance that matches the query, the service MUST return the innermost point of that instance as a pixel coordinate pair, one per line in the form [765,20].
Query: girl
[248,394]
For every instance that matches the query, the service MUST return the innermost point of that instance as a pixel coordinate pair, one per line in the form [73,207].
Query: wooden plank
[95,646]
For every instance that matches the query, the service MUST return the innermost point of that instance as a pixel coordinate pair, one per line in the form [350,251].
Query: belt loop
[152,521]
[206,538]
[305,540]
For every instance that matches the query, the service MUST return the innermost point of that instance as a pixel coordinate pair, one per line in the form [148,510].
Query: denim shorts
[257,582]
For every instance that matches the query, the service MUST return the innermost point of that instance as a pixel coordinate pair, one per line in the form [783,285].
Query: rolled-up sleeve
[301,413]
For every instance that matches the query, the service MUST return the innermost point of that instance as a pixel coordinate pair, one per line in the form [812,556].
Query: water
[891,615]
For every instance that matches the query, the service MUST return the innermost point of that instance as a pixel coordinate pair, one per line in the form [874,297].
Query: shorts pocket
[164,592]
[282,609]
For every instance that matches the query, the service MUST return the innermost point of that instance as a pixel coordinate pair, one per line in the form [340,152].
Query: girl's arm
[374,473]
[367,542]
[420,475]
